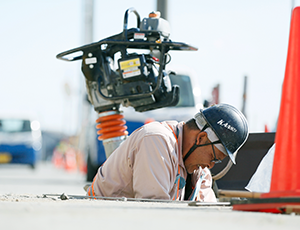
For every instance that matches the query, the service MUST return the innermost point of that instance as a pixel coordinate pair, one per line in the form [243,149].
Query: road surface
[31,199]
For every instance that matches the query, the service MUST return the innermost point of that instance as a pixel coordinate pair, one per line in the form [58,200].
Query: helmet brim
[231,155]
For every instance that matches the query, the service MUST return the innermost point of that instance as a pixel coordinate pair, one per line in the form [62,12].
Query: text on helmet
[226,125]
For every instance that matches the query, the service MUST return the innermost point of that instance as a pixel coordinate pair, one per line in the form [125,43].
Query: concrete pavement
[23,205]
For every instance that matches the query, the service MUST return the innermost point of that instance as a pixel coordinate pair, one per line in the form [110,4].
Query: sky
[234,39]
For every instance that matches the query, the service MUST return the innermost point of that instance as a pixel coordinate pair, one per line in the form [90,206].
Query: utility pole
[88,21]
[162,7]
[85,106]
[244,96]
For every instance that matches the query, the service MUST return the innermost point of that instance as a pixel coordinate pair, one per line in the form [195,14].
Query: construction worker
[171,160]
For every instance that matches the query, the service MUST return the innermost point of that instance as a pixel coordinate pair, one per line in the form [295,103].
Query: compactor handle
[125,25]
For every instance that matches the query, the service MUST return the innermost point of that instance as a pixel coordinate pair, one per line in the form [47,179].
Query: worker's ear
[201,136]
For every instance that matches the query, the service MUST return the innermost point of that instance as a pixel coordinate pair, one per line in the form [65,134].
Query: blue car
[20,141]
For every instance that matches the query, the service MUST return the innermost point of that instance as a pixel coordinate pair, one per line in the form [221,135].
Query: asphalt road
[31,199]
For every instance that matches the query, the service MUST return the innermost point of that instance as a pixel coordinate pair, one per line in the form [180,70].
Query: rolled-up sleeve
[154,169]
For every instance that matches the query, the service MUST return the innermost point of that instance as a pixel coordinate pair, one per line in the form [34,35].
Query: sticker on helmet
[226,125]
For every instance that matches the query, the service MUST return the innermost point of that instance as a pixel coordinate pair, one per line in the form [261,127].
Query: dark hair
[191,124]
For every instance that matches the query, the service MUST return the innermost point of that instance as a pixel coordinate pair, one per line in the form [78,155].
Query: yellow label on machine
[130,63]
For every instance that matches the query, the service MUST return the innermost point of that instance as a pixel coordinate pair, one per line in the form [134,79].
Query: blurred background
[242,48]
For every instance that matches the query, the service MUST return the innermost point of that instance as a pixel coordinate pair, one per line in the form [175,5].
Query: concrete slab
[24,206]
[38,212]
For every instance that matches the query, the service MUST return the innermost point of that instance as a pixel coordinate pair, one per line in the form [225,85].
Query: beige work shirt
[148,164]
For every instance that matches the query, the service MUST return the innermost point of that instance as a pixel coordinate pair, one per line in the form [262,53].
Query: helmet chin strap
[194,146]
[190,151]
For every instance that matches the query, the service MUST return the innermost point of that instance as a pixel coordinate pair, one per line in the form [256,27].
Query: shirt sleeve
[154,168]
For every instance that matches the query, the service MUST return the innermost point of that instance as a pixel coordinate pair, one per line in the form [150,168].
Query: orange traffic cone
[70,160]
[286,171]
[266,129]
[285,181]
[57,159]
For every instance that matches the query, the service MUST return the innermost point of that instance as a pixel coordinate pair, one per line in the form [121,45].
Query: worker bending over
[170,159]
